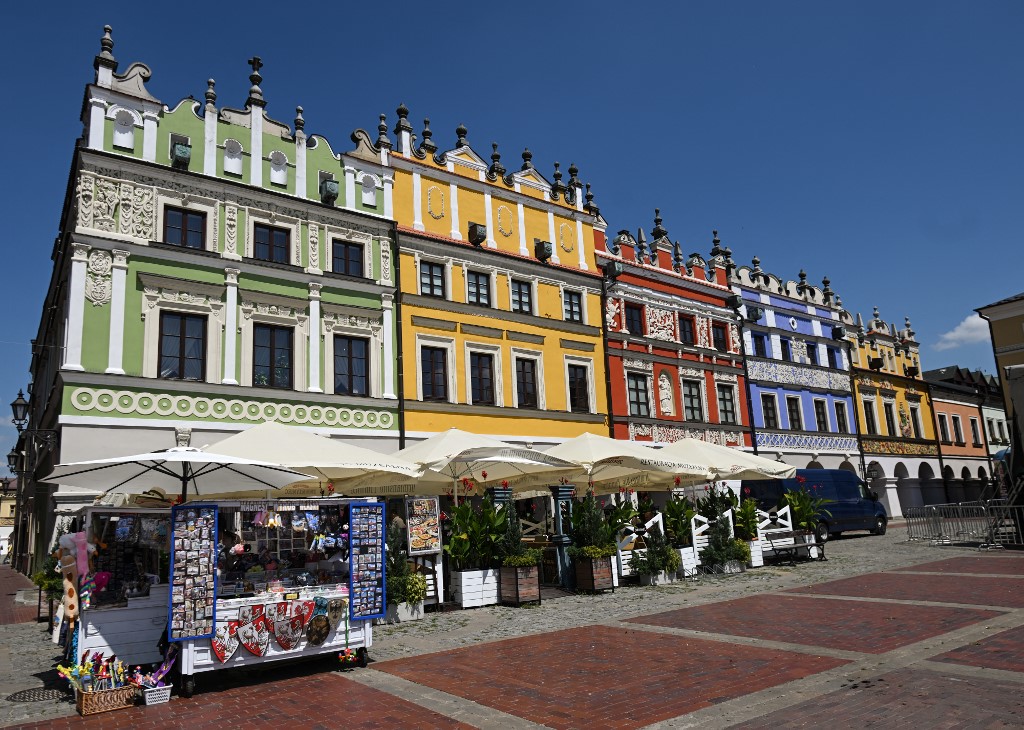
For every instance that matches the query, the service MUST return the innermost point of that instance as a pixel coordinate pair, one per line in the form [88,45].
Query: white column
[314,338]
[350,186]
[76,308]
[389,195]
[553,238]
[230,325]
[489,221]
[388,375]
[579,242]
[417,202]
[210,140]
[256,146]
[300,164]
[115,350]
[453,192]
[523,248]
[97,113]
[149,131]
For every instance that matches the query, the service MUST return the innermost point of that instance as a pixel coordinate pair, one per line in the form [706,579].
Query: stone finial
[557,187]
[659,231]
[839,302]
[801,286]
[589,205]
[557,175]
[909,330]
[874,314]
[827,292]
[860,322]
[527,159]
[427,145]
[677,256]
[211,95]
[460,133]
[641,244]
[496,168]
[255,92]
[716,244]
[573,172]
[300,122]
[402,125]
[106,55]
[383,142]
[729,263]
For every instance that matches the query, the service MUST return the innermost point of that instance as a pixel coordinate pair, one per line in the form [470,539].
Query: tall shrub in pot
[476,532]
[593,545]
[520,575]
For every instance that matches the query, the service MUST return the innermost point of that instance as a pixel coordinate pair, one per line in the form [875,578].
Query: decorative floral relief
[636,364]
[778,372]
[506,227]
[143,221]
[86,193]
[799,351]
[126,201]
[735,345]
[105,206]
[611,314]
[385,261]
[314,246]
[671,434]
[661,324]
[98,285]
[882,446]
[230,229]
[701,325]
[435,202]
[769,440]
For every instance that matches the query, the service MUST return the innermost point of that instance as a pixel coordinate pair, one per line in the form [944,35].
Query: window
[869,417]
[478,288]
[526,382]
[793,409]
[639,403]
[481,378]
[579,391]
[812,357]
[943,428]
[185,228]
[182,346]
[686,329]
[432,279]
[833,357]
[890,419]
[522,297]
[769,410]
[692,407]
[271,243]
[841,425]
[572,305]
[958,431]
[760,345]
[635,319]
[975,432]
[726,404]
[434,372]
[820,415]
[350,366]
[1002,430]
[915,421]
[991,429]
[718,337]
[272,356]
[787,349]
[348,258]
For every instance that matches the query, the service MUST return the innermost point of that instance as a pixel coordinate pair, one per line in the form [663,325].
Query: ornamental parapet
[899,447]
[671,434]
[807,442]
[788,374]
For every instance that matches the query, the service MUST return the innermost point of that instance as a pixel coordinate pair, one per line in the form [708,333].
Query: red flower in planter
[483,474]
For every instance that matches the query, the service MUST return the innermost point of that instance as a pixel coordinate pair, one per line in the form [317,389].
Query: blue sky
[877,143]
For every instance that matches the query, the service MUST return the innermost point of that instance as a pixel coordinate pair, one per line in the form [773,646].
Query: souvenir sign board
[423,525]
[366,561]
[190,613]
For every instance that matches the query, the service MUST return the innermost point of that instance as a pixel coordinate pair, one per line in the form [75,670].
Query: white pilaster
[97,113]
[453,193]
[389,195]
[210,141]
[417,202]
[256,146]
[115,349]
[521,212]
[579,243]
[149,132]
[76,308]
[230,325]
[551,237]
[388,376]
[314,338]
[350,186]
[489,221]
[300,164]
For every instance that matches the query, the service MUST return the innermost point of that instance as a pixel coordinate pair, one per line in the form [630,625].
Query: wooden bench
[778,545]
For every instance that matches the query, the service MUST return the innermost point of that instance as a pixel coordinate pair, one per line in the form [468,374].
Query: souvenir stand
[238,582]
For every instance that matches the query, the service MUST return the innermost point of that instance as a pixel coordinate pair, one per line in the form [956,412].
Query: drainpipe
[609,271]
[746,374]
[938,446]
[399,357]
[852,418]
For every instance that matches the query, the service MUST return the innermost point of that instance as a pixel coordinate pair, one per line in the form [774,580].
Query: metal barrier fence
[991,525]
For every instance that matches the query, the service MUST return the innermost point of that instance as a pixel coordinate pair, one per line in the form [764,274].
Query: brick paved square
[1001,651]
[971,590]
[604,677]
[319,701]
[908,698]
[981,564]
[864,626]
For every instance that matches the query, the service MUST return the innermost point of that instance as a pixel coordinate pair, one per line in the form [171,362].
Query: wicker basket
[91,703]
[156,695]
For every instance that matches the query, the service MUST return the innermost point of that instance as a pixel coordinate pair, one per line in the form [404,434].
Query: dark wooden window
[958,431]
[760,347]
[186,228]
[478,288]
[348,259]
[769,411]
[841,425]
[432,279]
[833,358]
[719,338]
[812,357]
[693,409]
[787,349]
[820,415]
[526,382]
[182,346]
[686,329]
[579,391]
[351,372]
[890,419]
[975,433]
[572,304]
[726,404]
[481,378]
[271,243]
[271,356]
[796,421]
[915,421]
[434,370]
[869,418]
[639,403]
[522,297]
[635,319]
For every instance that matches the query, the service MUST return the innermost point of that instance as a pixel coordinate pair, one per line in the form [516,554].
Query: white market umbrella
[340,464]
[727,462]
[172,470]
[613,464]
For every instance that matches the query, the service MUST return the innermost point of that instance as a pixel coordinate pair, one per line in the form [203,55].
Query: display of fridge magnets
[225,641]
[305,609]
[336,610]
[248,614]
[255,636]
[275,612]
[317,630]
[288,632]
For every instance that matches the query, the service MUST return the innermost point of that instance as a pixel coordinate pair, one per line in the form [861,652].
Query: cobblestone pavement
[856,644]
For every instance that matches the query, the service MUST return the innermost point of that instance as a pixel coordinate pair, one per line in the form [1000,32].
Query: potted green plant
[406,589]
[678,518]
[593,546]
[658,563]
[745,526]
[724,553]
[473,551]
[805,509]
[520,575]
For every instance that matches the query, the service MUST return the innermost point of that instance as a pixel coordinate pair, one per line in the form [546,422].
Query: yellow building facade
[500,303]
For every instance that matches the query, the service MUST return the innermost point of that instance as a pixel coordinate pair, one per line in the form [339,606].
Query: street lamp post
[22,461]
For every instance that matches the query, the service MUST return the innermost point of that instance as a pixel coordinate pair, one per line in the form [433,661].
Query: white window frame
[829,426]
[836,405]
[947,437]
[735,403]
[206,300]
[492,282]
[499,380]
[975,432]
[562,289]
[254,216]
[338,324]
[532,281]
[588,363]
[651,408]
[775,403]
[915,421]
[208,206]
[703,389]
[446,262]
[446,343]
[891,402]
[958,429]
[870,403]
[298,321]
[537,356]
[800,412]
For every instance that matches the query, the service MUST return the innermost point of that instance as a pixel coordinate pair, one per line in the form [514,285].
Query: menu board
[366,560]
[190,612]
[423,525]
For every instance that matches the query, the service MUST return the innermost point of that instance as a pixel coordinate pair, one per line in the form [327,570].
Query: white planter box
[756,554]
[475,587]
[399,613]
[661,579]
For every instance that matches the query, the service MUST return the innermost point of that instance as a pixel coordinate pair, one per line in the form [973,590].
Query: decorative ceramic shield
[225,641]
[274,613]
[336,610]
[319,606]
[248,614]
[288,632]
[255,636]
[318,629]
[305,609]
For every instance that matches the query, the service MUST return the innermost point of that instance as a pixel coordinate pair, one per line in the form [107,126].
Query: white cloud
[971,331]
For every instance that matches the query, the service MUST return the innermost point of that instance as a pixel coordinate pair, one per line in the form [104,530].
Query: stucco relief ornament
[505,225]
[800,351]
[385,261]
[85,200]
[665,398]
[611,314]
[230,228]
[702,332]
[98,286]
[905,427]
[105,206]
[734,337]
[314,246]
[660,324]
